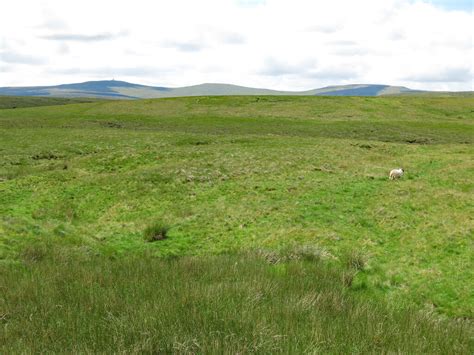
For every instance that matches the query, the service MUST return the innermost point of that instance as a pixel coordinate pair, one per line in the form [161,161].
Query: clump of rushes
[355,260]
[155,232]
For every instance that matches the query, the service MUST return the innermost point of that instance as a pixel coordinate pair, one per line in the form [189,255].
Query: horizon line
[244,86]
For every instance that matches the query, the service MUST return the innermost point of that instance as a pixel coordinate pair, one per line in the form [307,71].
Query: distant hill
[114,89]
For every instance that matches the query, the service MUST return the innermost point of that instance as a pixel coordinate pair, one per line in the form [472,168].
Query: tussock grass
[155,232]
[355,260]
[65,302]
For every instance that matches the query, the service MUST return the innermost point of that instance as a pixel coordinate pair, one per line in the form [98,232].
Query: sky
[276,44]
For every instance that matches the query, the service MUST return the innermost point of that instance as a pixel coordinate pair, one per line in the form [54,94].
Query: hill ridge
[118,89]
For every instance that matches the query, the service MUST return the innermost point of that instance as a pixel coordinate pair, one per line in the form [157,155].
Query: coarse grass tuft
[355,260]
[155,232]
[34,252]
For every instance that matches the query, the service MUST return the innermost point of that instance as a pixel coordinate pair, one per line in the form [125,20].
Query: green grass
[13,102]
[64,302]
[230,174]
[155,232]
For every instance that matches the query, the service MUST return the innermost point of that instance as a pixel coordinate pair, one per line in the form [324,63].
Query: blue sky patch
[463,5]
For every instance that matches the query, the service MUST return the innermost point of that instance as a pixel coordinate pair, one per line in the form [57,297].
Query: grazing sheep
[396,173]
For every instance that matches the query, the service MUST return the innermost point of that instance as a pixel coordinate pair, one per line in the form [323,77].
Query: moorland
[237,224]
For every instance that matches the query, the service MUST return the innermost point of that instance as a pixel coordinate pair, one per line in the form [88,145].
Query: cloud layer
[82,37]
[286,45]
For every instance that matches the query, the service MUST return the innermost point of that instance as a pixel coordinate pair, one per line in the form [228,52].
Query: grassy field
[249,303]
[232,174]
[33,101]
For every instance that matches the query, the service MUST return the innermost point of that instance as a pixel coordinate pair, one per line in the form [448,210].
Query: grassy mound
[255,302]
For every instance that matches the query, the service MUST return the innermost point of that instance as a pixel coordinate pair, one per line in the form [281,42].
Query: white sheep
[396,173]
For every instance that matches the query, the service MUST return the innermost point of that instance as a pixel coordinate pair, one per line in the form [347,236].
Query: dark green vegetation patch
[155,232]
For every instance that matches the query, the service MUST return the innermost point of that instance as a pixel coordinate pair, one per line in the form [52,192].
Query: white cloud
[280,44]
[82,37]
[449,74]
[19,58]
